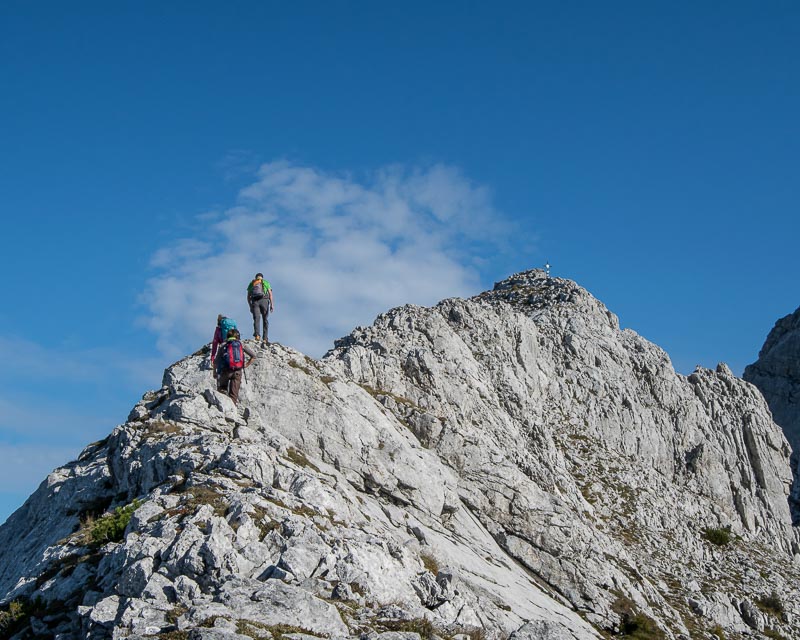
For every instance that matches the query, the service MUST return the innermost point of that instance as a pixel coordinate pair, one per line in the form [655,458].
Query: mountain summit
[513,466]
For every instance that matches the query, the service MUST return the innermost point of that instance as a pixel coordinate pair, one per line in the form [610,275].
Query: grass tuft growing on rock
[299,458]
[297,365]
[157,429]
[173,635]
[264,522]
[199,495]
[429,562]
[254,629]
[176,612]
[421,626]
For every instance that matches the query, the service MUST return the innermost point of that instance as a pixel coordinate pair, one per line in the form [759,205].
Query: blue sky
[363,155]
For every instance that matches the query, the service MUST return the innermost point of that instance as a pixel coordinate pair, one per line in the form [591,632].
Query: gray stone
[776,373]
[134,578]
[106,611]
[536,459]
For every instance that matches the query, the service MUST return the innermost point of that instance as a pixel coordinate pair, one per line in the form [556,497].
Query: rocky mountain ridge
[777,375]
[509,466]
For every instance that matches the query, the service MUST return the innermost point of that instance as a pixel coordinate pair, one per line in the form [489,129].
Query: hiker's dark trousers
[230,382]
[260,311]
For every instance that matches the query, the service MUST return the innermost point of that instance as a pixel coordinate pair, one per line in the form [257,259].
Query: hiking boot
[258,337]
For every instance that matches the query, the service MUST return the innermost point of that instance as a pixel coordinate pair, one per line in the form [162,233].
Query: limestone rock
[777,375]
[514,465]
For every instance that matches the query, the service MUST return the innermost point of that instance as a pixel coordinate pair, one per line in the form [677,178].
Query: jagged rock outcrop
[509,466]
[777,374]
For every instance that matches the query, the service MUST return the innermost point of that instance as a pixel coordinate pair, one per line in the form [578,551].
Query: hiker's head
[219,319]
[233,334]
[259,276]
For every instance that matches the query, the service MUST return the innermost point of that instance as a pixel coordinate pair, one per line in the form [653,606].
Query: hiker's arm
[253,355]
[214,348]
[215,345]
[271,304]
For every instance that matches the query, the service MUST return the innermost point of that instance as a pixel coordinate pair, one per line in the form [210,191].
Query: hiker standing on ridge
[230,365]
[259,297]
[220,335]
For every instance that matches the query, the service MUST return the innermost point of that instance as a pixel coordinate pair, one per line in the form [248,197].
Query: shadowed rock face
[777,374]
[514,464]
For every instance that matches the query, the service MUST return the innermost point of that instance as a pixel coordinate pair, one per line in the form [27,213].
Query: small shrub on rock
[111,527]
[718,537]
[635,624]
[771,604]
[14,617]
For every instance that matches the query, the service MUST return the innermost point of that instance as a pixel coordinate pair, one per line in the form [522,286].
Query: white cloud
[337,250]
